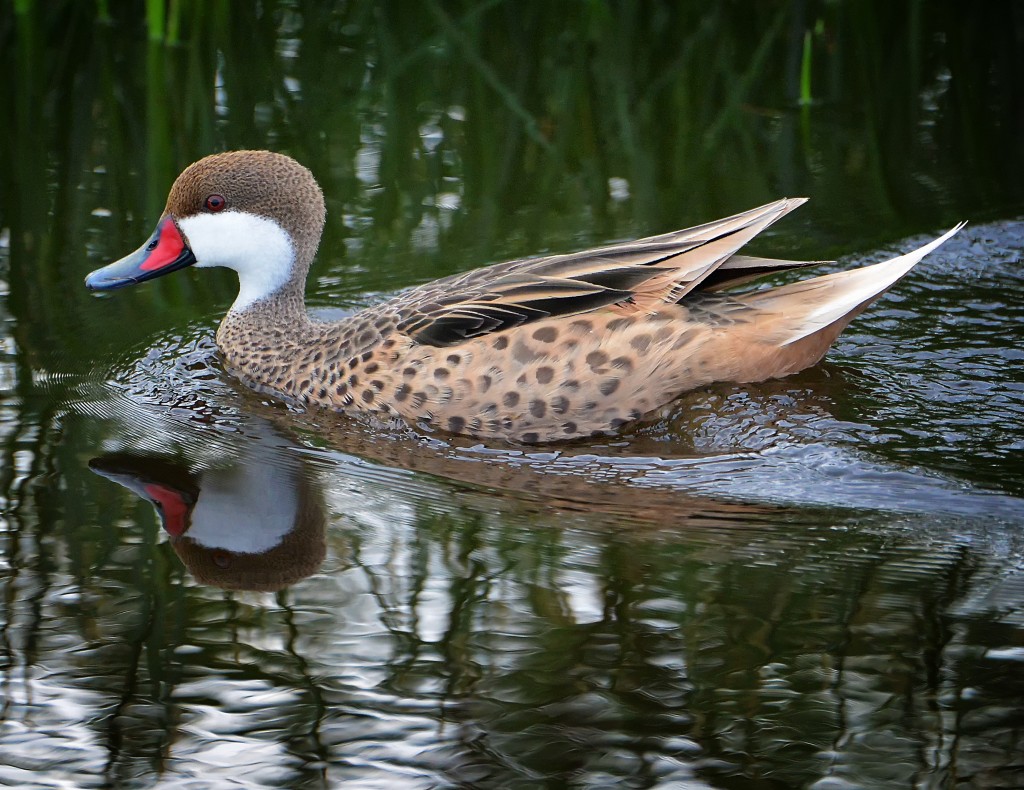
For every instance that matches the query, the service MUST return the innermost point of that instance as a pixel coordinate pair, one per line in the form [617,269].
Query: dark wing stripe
[465,321]
[740,269]
[446,329]
[622,279]
[766,264]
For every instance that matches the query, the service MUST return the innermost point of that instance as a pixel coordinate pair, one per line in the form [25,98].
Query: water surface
[813,582]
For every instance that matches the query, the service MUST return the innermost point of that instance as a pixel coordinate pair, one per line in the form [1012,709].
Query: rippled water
[808,583]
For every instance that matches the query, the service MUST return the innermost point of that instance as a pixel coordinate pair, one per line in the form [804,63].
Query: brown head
[257,212]
[263,183]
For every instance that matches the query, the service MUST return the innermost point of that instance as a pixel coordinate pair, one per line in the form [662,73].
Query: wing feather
[638,275]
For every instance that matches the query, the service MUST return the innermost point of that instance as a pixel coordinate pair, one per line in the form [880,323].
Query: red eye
[215,203]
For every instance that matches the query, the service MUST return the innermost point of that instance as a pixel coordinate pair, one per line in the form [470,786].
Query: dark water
[816,582]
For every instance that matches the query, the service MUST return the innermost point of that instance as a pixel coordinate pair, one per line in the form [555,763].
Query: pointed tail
[808,306]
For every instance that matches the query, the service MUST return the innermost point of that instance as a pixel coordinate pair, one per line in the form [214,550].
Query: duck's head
[257,212]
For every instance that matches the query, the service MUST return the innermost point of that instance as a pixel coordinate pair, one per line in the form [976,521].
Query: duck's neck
[283,309]
[266,333]
[274,346]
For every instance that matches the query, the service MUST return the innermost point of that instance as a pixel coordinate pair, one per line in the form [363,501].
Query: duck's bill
[169,488]
[164,252]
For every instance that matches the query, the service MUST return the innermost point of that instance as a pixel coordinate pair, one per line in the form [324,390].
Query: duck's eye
[215,203]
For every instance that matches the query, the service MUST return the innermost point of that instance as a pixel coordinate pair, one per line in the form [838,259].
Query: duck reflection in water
[250,526]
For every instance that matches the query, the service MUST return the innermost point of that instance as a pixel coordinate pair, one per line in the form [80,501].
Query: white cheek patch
[259,249]
[248,509]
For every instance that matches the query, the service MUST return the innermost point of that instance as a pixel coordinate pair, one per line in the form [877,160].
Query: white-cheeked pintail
[533,350]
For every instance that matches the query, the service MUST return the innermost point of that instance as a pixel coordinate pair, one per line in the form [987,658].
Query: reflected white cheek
[256,247]
[247,509]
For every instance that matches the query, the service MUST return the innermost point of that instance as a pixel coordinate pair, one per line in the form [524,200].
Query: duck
[536,350]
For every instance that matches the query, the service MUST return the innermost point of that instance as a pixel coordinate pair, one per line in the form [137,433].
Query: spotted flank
[534,350]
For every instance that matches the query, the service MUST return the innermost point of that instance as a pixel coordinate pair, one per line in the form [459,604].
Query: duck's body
[531,351]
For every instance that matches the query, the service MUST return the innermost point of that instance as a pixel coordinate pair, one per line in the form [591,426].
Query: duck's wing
[636,276]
